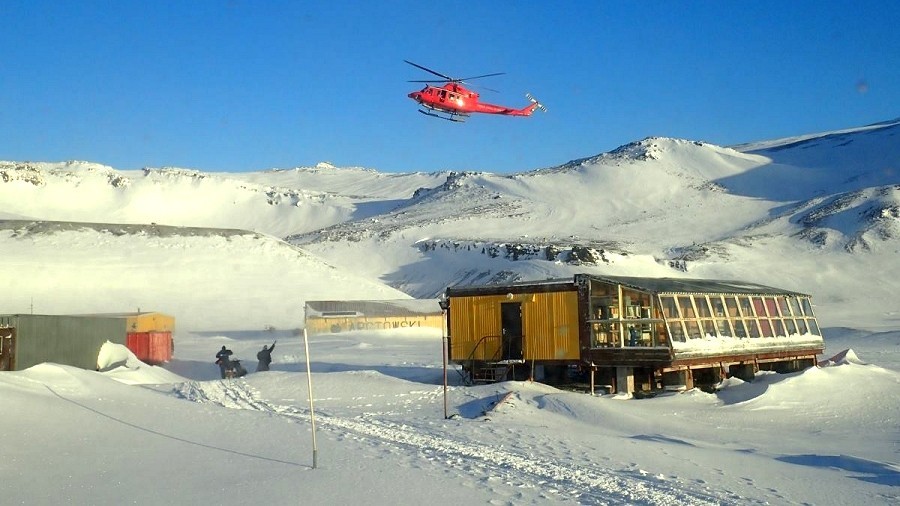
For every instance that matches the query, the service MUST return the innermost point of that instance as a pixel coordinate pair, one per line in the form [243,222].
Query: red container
[151,347]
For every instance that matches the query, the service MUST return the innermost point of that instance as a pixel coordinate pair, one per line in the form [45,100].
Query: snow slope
[208,248]
[273,202]
[818,214]
[234,278]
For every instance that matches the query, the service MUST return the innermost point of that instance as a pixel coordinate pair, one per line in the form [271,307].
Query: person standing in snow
[265,357]
[223,358]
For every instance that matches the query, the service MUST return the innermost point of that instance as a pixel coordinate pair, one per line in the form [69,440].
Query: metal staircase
[490,372]
[481,369]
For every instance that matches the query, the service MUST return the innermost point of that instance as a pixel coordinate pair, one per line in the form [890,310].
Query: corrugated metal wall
[151,347]
[473,318]
[76,339]
[550,321]
[70,340]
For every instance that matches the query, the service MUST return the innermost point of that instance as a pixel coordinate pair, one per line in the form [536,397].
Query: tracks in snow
[585,483]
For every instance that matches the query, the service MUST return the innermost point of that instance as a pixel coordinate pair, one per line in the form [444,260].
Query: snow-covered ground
[144,435]
[818,214]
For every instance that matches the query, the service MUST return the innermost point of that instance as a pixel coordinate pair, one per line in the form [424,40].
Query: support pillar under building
[624,380]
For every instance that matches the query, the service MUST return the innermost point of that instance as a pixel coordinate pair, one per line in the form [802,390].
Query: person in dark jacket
[265,357]
[634,337]
[223,358]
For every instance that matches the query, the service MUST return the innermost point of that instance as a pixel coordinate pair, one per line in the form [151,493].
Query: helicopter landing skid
[458,118]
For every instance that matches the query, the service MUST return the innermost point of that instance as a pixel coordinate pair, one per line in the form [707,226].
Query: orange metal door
[160,347]
[139,344]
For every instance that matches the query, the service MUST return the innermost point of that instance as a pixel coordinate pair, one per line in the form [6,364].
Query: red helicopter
[454,102]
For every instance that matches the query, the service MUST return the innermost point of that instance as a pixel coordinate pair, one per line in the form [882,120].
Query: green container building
[27,340]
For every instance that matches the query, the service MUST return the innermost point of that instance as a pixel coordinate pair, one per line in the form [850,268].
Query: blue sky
[246,85]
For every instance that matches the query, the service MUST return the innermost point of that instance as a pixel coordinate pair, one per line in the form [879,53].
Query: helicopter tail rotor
[535,102]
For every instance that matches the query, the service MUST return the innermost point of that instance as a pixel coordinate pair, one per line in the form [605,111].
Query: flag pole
[445,345]
[312,412]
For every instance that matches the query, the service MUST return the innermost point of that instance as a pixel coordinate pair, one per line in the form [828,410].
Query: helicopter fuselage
[455,99]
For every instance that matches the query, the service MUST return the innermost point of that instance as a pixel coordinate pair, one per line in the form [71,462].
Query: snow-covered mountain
[234,256]
[277,202]
[818,214]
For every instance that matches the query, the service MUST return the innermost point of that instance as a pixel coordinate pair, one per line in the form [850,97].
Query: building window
[759,307]
[718,306]
[746,307]
[660,334]
[795,306]
[791,326]
[669,308]
[740,331]
[676,331]
[813,327]
[731,304]
[698,316]
[784,307]
[752,328]
[709,328]
[765,325]
[693,329]
[807,307]
[724,328]
[702,306]
[778,327]
[606,335]
[687,309]
[771,307]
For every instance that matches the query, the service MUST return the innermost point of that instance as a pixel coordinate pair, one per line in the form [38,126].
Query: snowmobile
[234,369]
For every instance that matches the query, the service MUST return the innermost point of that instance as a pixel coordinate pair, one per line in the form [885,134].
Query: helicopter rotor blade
[448,78]
[479,77]
[485,88]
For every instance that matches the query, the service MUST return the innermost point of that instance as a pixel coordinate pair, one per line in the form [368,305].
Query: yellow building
[335,316]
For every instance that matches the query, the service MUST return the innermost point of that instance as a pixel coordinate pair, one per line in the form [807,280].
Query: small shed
[630,333]
[335,316]
[149,336]
[27,339]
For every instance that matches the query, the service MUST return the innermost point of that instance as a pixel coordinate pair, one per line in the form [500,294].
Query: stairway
[493,372]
